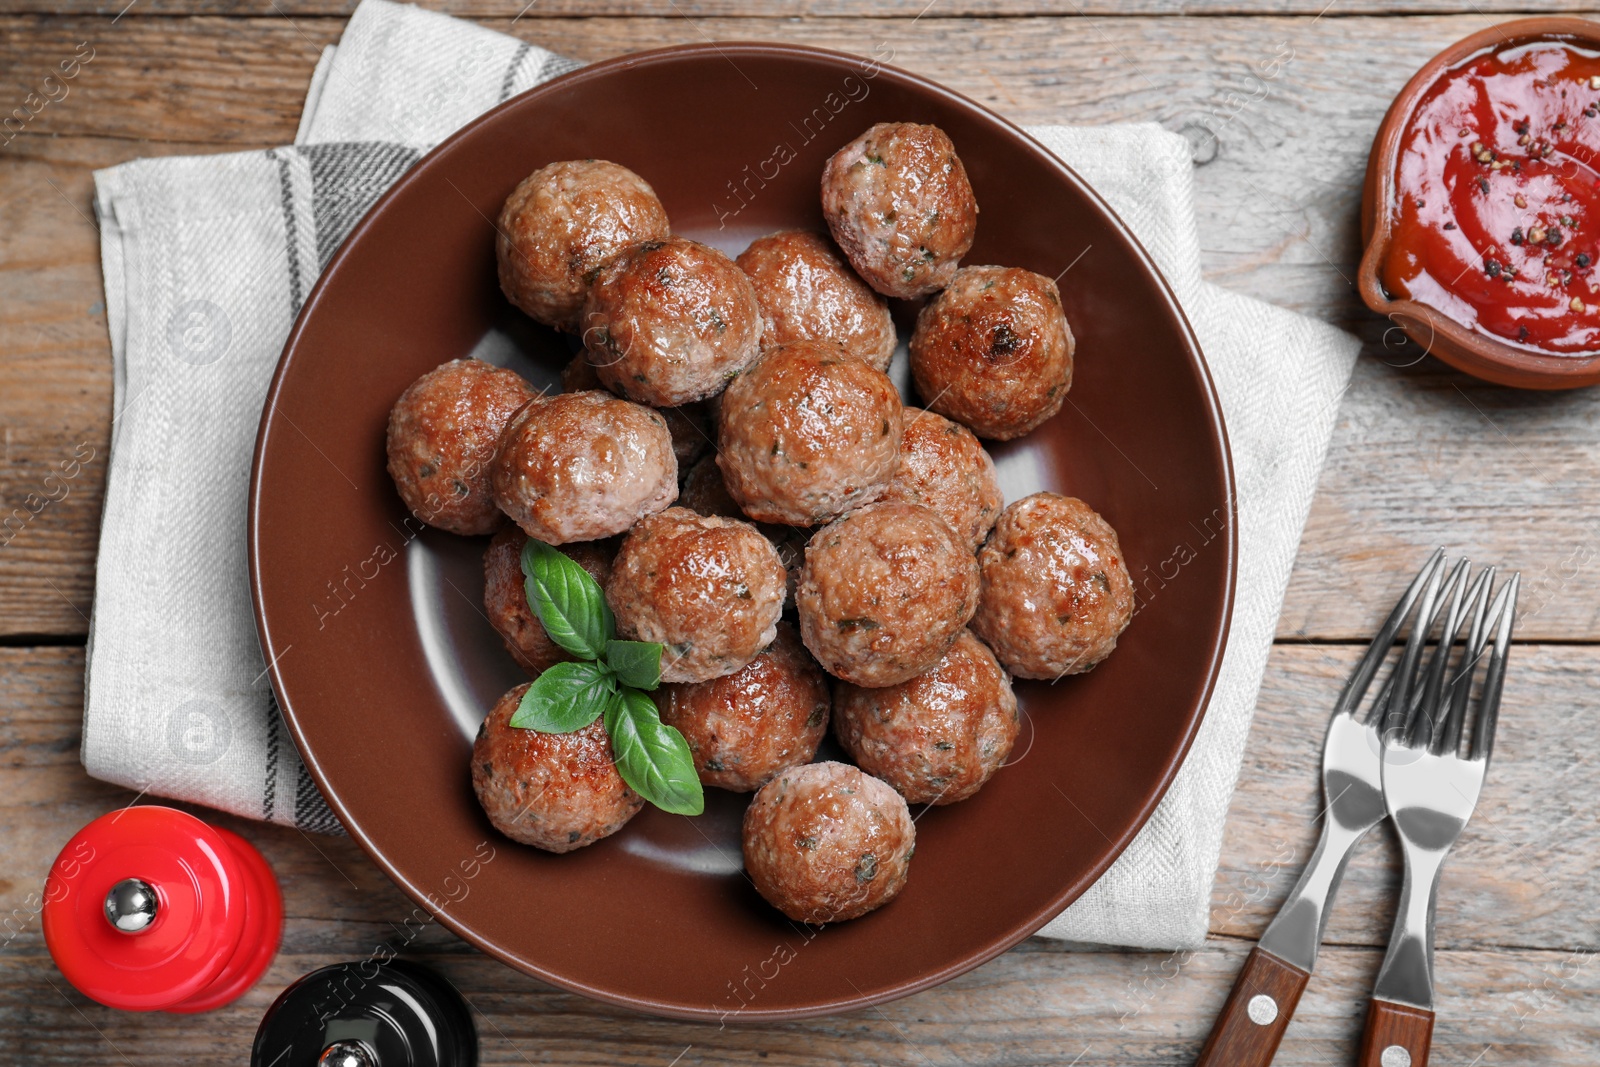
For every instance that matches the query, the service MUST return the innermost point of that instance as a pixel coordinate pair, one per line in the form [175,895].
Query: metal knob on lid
[131,905]
[367,1014]
[151,909]
[348,1054]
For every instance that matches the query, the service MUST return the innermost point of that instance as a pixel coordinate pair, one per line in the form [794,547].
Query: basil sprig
[606,680]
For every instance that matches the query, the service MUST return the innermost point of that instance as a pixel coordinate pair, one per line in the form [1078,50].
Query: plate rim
[1020,931]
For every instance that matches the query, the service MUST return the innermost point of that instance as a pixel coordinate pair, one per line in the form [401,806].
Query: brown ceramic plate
[384,664]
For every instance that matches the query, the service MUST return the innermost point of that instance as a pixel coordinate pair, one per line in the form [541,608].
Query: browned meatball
[945,469]
[670,321]
[994,351]
[766,717]
[938,737]
[691,432]
[807,434]
[557,792]
[443,432]
[708,588]
[561,224]
[582,466]
[505,597]
[898,202]
[1055,591]
[824,843]
[884,592]
[704,491]
[808,294]
[577,376]
[690,425]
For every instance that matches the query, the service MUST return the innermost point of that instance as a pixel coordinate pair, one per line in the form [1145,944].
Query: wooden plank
[700,9]
[1042,1006]
[1513,884]
[1421,454]
[241,80]
[1521,873]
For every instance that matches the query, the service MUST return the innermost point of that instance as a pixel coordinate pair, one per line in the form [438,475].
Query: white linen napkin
[208,259]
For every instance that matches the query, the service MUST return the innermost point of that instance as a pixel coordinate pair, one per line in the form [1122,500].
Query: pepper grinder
[151,909]
[369,1014]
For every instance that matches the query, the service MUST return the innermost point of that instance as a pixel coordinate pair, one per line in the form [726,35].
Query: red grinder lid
[155,961]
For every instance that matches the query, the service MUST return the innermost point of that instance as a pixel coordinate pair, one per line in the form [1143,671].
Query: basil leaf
[652,757]
[567,599]
[636,663]
[567,697]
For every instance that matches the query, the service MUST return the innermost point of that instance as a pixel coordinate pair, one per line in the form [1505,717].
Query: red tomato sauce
[1496,221]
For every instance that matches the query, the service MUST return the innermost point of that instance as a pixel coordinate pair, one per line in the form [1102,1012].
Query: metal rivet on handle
[1262,1009]
[1395,1056]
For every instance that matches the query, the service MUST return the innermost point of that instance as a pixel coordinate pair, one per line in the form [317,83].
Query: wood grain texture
[541,10]
[1044,1002]
[1279,111]
[1421,454]
[1522,871]
[1393,1029]
[1255,1016]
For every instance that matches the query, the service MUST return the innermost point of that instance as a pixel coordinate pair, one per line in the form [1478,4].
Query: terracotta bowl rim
[1476,353]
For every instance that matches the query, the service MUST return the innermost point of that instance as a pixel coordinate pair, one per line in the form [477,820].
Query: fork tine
[1459,689]
[1504,613]
[1425,724]
[1401,703]
[1379,708]
[1361,678]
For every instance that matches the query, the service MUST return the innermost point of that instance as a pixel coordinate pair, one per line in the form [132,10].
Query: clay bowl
[1479,354]
[384,665]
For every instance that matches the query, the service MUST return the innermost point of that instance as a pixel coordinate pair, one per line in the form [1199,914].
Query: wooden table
[1280,98]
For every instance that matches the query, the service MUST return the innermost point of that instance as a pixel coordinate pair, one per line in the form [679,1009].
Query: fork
[1257,1013]
[1432,775]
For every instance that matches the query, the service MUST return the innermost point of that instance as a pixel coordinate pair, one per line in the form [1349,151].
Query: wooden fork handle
[1397,1035]
[1257,1013]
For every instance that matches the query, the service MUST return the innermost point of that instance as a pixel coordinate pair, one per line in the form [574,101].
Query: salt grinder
[368,1014]
[151,909]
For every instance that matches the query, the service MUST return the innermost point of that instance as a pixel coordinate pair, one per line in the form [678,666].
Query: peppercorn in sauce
[1496,220]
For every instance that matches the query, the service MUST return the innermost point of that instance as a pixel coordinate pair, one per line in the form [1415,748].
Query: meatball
[577,376]
[884,592]
[938,737]
[704,492]
[557,792]
[708,588]
[824,843]
[582,466]
[1055,591]
[690,425]
[945,469]
[443,432]
[807,434]
[670,321]
[898,202]
[994,351]
[745,727]
[505,597]
[691,432]
[561,224]
[808,294]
